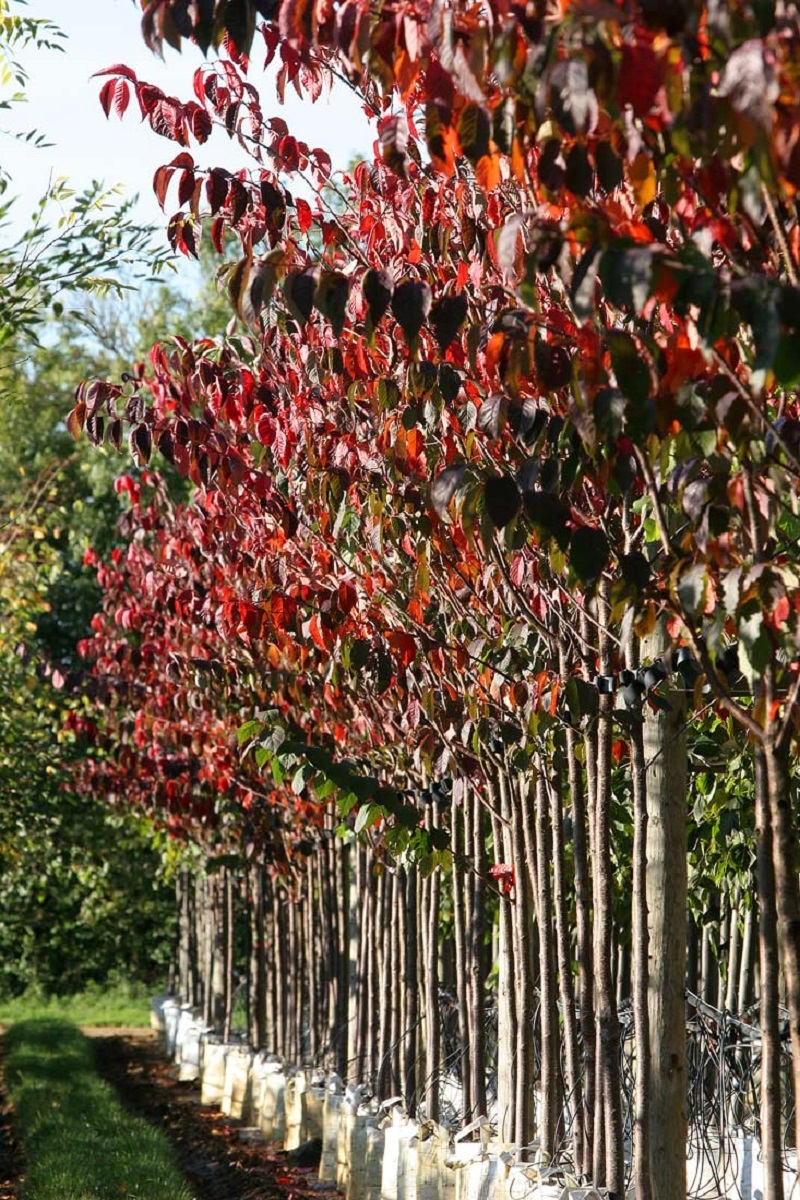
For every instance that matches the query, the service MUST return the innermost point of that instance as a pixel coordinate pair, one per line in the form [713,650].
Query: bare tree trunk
[565,974]
[459,932]
[228,926]
[641,944]
[590,998]
[520,818]
[745,987]
[665,754]
[397,927]
[257,1006]
[787,898]
[506,1008]
[548,1006]
[432,1018]
[610,1166]
[771,1139]
[411,991]
[475,933]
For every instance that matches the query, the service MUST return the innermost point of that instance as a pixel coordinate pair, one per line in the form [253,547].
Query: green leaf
[755,649]
[250,730]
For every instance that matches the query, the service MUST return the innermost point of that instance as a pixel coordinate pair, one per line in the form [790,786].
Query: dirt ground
[218,1163]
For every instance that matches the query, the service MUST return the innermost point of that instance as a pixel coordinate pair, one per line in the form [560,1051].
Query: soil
[213,1151]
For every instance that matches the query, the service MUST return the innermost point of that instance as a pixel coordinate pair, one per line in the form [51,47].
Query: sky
[62,103]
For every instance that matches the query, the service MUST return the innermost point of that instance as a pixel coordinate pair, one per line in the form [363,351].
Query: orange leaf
[642,176]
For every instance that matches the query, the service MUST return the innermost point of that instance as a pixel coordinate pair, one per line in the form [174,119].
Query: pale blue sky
[63,104]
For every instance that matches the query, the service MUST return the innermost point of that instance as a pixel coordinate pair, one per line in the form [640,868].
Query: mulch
[218,1162]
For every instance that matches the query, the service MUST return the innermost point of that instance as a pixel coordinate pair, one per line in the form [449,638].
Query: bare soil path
[217,1161]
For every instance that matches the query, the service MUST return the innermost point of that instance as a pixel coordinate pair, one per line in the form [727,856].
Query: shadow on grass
[77,1139]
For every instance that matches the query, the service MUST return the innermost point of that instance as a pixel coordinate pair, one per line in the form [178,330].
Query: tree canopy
[518,409]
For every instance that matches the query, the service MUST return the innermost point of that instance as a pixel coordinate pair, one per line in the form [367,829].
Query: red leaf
[305,217]
[122,98]
[185,187]
[394,144]
[504,874]
[218,234]
[107,95]
[117,69]
[148,96]
[161,183]
[200,123]
[216,189]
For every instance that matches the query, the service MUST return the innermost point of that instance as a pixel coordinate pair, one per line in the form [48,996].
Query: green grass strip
[115,1004]
[78,1141]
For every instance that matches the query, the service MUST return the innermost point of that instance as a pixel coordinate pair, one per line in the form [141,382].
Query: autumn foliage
[527,390]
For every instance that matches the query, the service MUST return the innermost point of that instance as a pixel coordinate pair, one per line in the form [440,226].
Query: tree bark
[665,754]
[787,898]
[641,944]
[771,1140]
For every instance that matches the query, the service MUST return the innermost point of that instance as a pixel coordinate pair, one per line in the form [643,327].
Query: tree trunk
[475,932]
[771,1139]
[411,990]
[565,975]
[665,754]
[548,1005]
[257,1006]
[640,952]
[787,900]
[506,1008]
[459,887]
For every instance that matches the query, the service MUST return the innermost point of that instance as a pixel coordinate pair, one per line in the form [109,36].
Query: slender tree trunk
[397,927]
[590,1000]
[258,973]
[506,1008]
[459,932]
[345,1014]
[745,988]
[641,943]
[665,754]
[476,933]
[411,991]
[519,816]
[229,938]
[771,1139]
[432,1017]
[548,1005]
[565,973]
[609,1166]
[787,898]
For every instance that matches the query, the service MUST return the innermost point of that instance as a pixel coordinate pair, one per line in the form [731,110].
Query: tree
[592,291]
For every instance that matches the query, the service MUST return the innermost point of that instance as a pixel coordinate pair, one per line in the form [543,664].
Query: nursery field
[400,606]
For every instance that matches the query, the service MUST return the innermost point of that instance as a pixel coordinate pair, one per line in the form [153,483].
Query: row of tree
[496,494]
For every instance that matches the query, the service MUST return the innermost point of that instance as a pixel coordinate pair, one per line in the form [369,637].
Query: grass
[77,1140]
[112,1005]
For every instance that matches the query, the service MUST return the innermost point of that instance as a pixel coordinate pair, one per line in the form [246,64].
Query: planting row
[370,1149]
[373,1149]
